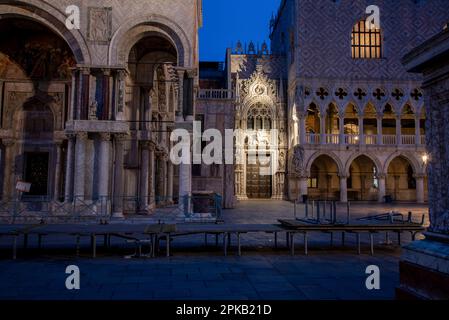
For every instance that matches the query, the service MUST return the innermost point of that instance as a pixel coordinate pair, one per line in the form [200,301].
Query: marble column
[302,187]
[179,111]
[170,173]
[57,180]
[418,130]
[144,177]
[164,179]
[80,166]
[341,120]
[152,177]
[117,204]
[419,188]
[8,178]
[104,165]
[361,131]
[302,130]
[382,187]
[398,130]
[379,129]
[323,130]
[343,188]
[68,197]
[185,188]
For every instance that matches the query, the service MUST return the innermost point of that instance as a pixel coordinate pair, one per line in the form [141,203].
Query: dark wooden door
[258,186]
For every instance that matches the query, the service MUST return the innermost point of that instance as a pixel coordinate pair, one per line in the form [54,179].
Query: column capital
[382,176]
[59,143]
[343,176]
[8,142]
[70,135]
[105,136]
[147,145]
[121,136]
[419,176]
[81,136]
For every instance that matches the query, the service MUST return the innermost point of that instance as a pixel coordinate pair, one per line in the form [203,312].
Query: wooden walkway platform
[141,234]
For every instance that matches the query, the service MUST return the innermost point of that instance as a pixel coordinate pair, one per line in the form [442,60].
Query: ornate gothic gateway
[261,142]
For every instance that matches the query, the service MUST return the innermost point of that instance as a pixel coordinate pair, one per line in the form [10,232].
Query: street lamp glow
[425,158]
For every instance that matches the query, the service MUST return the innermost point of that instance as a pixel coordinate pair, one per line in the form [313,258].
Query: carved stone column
[104,161]
[179,111]
[343,188]
[152,177]
[57,186]
[117,204]
[379,129]
[419,188]
[80,166]
[170,173]
[8,178]
[120,95]
[68,197]
[341,121]
[144,177]
[302,129]
[398,130]
[382,188]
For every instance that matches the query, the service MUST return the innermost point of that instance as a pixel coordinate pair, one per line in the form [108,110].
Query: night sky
[227,21]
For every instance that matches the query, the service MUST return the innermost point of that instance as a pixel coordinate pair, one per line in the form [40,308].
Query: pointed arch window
[366,43]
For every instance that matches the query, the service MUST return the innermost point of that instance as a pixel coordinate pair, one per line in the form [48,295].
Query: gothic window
[366,43]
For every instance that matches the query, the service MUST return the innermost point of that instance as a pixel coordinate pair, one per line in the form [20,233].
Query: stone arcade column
[343,188]
[8,179]
[398,130]
[152,199]
[379,129]
[424,266]
[117,201]
[419,188]
[70,160]
[104,160]
[170,173]
[341,123]
[80,166]
[302,129]
[382,187]
[144,177]
[302,187]
[57,186]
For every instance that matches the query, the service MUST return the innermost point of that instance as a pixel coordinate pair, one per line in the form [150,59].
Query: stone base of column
[118,215]
[424,269]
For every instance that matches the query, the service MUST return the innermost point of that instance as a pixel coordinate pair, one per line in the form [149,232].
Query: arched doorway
[259,180]
[363,183]
[323,182]
[401,181]
[35,69]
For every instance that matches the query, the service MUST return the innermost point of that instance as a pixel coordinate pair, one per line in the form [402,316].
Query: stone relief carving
[298,160]
[100,24]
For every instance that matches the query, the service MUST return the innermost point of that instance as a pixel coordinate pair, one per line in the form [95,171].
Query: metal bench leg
[371,239]
[275,240]
[14,248]
[168,244]
[306,244]
[399,238]
[39,241]
[225,244]
[292,243]
[94,246]
[77,246]
[287,239]
[358,243]
[205,240]
[332,239]
[343,235]
[25,241]
[239,244]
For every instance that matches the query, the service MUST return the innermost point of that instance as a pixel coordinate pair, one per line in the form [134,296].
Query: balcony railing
[220,94]
[369,139]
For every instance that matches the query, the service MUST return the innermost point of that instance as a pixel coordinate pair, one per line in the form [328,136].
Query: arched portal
[35,68]
[401,180]
[363,183]
[323,182]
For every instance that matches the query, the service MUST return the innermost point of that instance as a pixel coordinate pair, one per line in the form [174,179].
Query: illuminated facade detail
[366,43]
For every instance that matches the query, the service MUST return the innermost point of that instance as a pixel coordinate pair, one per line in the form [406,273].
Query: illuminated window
[366,43]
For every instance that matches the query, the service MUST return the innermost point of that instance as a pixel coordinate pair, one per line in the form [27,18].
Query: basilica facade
[86,113]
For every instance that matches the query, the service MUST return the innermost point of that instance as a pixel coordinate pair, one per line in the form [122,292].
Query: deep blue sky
[227,21]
